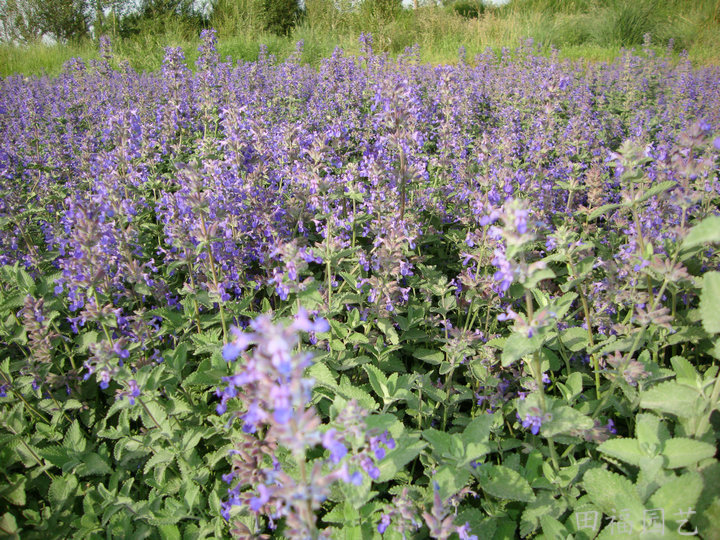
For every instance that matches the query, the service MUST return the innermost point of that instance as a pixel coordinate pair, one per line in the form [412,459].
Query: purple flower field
[379,299]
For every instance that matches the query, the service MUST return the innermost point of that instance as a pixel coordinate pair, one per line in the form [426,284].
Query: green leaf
[429,356]
[14,491]
[657,189]
[544,503]
[670,397]
[575,339]
[518,346]
[565,419]
[406,449]
[678,494]
[93,464]
[322,375]
[349,391]
[74,438]
[389,330]
[169,532]
[504,483]
[161,456]
[705,232]
[475,437]
[442,443]
[377,379]
[627,450]
[62,488]
[552,528]
[651,432]
[684,370]
[59,456]
[682,452]
[710,301]
[611,493]
[451,479]
[602,210]
[204,375]
[8,523]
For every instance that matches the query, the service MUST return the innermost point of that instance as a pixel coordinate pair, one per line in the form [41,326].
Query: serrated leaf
[161,456]
[349,391]
[205,375]
[59,456]
[552,528]
[442,443]
[14,492]
[169,532]
[670,397]
[682,452]
[627,450]
[684,334]
[504,483]
[678,494]
[710,302]
[565,420]
[705,232]
[450,479]
[74,438]
[657,189]
[377,379]
[407,448]
[62,488]
[650,431]
[93,464]
[429,356]
[9,524]
[612,493]
[388,329]
[575,339]
[518,346]
[602,210]
[684,370]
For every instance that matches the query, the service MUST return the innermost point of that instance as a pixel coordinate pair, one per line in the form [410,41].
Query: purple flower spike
[384,523]
[532,422]
[336,448]
[231,351]
[134,391]
[256,503]
[464,532]
[356,478]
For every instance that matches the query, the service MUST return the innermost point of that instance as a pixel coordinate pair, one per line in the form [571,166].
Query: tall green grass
[593,29]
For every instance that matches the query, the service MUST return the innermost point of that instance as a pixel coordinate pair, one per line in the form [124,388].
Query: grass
[596,30]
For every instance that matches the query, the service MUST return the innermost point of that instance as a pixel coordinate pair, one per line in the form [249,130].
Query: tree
[18,21]
[156,16]
[64,20]
[280,15]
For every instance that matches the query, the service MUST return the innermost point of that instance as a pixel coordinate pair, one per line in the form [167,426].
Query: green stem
[402,182]
[102,323]
[614,384]
[25,401]
[30,450]
[328,262]
[705,420]
[70,355]
[588,323]
[195,303]
[214,276]
[537,373]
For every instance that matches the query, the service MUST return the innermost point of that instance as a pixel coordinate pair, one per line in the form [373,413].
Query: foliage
[280,15]
[377,299]
[160,16]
